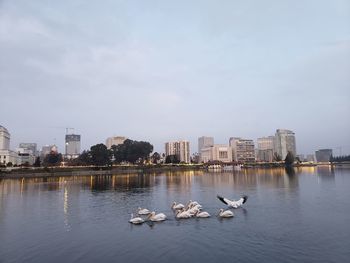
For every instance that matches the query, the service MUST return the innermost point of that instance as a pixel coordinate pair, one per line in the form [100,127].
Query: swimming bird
[143,211]
[156,217]
[202,214]
[225,213]
[136,220]
[191,204]
[233,203]
[182,214]
[176,206]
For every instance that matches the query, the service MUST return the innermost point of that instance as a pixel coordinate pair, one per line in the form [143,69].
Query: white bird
[156,217]
[176,206]
[136,220]
[194,209]
[233,203]
[202,214]
[143,211]
[226,213]
[181,214]
[191,204]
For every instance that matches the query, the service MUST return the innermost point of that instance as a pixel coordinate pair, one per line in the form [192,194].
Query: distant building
[32,147]
[217,152]
[179,148]
[284,143]
[323,155]
[46,149]
[310,157]
[265,148]
[4,138]
[116,140]
[243,149]
[205,142]
[6,155]
[72,145]
[25,156]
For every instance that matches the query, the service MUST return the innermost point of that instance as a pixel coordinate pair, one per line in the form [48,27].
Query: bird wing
[222,199]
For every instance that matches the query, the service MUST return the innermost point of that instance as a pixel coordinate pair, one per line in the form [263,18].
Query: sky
[162,71]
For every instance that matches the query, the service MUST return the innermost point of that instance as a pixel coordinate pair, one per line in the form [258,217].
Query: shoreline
[42,172]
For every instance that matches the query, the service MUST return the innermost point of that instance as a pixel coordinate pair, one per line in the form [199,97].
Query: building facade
[284,143]
[6,155]
[116,140]
[265,148]
[31,147]
[205,142]
[72,145]
[243,149]
[323,155]
[179,148]
[217,152]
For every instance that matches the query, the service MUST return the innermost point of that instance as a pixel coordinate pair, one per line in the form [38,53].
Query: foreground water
[296,217]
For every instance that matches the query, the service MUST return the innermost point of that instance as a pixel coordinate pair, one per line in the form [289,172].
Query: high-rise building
[179,148]
[323,155]
[217,152]
[72,145]
[284,143]
[204,142]
[6,155]
[116,140]
[265,148]
[243,149]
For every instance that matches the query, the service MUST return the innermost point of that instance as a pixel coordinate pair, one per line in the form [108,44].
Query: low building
[217,152]
[243,149]
[265,148]
[323,155]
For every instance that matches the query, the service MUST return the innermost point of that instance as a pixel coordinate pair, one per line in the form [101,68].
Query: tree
[37,162]
[289,160]
[172,159]
[100,155]
[53,158]
[131,151]
[155,157]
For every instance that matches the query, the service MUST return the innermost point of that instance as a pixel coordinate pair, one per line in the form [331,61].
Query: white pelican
[136,220]
[194,209]
[143,211]
[192,203]
[180,214]
[226,213]
[156,217]
[232,203]
[176,206]
[202,214]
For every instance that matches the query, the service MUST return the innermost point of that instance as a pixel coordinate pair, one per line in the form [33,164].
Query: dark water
[301,217]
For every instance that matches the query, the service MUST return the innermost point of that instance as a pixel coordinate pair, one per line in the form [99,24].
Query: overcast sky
[167,70]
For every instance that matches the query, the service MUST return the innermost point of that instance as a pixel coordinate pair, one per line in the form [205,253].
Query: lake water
[296,217]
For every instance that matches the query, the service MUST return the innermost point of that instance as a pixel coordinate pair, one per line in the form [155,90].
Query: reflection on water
[278,177]
[85,219]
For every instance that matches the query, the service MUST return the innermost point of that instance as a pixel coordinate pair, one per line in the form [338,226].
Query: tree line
[345,158]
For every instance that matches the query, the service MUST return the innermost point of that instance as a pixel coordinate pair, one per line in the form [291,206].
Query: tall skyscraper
[284,143]
[72,145]
[179,148]
[204,142]
[265,148]
[243,149]
[116,140]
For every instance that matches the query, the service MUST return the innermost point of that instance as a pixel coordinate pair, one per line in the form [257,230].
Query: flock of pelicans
[191,209]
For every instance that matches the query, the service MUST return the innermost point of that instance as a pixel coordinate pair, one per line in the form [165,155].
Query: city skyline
[164,71]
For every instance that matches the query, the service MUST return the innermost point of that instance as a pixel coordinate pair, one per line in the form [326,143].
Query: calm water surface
[300,217]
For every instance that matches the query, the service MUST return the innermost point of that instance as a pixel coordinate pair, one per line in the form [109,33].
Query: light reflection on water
[298,215]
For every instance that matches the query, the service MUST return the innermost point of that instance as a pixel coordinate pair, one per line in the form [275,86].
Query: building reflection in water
[325,172]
